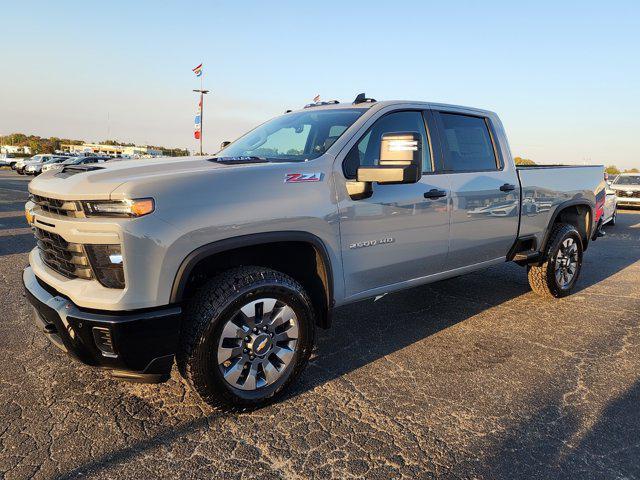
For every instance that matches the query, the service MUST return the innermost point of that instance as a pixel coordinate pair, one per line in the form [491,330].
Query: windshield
[627,180]
[294,136]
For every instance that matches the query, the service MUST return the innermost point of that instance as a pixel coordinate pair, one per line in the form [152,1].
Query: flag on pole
[316,99]
[198,70]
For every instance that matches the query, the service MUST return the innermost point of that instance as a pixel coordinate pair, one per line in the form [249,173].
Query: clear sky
[564,76]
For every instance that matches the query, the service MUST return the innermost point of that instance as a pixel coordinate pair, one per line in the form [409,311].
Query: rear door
[485,189]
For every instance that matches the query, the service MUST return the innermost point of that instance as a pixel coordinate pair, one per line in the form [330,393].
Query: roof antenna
[362,98]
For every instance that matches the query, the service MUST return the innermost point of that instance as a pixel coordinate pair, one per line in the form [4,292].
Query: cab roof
[387,103]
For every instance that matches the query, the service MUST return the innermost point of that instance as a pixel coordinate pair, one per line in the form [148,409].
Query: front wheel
[246,336]
[559,273]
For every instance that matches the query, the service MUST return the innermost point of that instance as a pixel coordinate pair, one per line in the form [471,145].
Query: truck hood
[98,181]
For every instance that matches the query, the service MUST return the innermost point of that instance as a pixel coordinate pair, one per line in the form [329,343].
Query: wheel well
[301,260]
[580,217]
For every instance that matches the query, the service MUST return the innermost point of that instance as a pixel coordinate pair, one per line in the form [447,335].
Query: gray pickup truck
[228,263]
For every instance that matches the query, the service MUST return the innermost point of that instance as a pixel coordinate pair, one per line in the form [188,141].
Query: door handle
[435,193]
[507,187]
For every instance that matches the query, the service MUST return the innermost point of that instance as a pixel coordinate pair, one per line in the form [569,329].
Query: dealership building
[13,149]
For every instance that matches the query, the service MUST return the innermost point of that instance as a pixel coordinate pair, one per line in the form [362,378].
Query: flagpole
[202,93]
[201,110]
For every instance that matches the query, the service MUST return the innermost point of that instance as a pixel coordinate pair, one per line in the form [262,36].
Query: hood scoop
[75,169]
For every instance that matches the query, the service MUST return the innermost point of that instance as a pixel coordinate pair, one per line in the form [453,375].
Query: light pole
[202,94]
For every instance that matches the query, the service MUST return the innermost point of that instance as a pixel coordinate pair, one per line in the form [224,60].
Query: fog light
[106,261]
[102,337]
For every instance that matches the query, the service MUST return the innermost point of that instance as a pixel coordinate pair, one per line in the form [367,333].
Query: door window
[467,143]
[367,151]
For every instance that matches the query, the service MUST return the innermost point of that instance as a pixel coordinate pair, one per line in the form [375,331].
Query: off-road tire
[207,312]
[542,278]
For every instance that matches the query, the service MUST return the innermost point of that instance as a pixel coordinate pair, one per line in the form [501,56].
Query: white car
[74,161]
[610,207]
[23,162]
[627,188]
[35,168]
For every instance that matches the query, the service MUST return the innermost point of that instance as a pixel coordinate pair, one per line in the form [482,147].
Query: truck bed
[546,187]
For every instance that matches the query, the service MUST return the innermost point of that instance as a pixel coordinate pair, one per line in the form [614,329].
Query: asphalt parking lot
[474,377]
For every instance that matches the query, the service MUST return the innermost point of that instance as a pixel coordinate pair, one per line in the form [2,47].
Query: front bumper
[144,341]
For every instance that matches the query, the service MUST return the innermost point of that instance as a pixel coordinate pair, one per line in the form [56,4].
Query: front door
[397,234]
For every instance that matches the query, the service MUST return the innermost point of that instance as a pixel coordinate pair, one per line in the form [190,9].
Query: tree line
[611,169]
[39,144]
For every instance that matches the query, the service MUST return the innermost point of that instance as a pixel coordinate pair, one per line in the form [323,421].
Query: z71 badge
[302,177]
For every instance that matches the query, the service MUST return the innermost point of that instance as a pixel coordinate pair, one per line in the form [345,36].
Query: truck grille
[58,207]
[68,259]
[623,193]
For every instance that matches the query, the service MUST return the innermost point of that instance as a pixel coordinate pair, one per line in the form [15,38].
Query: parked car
[7,160]
[228,264]
[610,207]
[35,167]
[627,188]
[22,163]
[82,160]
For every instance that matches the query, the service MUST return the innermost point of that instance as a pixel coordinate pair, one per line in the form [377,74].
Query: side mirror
[400,160]
[224,144]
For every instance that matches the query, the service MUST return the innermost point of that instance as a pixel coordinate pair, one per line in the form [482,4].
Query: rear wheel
[557,276]
[246,336]
[613,218]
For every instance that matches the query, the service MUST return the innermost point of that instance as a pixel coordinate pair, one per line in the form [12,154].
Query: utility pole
[202,94]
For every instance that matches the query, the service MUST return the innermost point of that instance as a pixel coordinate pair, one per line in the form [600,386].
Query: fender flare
[577,202]
[200,253]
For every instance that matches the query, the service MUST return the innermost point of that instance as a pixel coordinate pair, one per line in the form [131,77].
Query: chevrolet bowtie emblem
[262,344]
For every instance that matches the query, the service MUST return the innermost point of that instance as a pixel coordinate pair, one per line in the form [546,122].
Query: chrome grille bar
[68,259]
[58,207]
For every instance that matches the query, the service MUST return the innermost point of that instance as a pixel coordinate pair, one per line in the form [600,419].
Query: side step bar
[527,257]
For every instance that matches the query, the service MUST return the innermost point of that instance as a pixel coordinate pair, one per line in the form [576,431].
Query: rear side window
[467,144]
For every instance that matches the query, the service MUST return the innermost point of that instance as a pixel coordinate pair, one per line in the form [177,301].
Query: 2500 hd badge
[372,243]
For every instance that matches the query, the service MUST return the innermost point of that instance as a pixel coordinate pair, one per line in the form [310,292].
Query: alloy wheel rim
[566,262]
[257,344]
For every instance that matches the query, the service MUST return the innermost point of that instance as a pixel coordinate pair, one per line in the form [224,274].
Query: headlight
[119,208]
[106,262]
